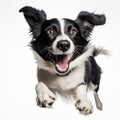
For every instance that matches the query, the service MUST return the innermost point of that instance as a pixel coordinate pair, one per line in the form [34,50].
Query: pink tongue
[62,64]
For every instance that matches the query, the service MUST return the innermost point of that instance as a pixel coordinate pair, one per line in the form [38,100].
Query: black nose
[63,45]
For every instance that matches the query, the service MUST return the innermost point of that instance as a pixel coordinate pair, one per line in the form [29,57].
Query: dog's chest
[63,83]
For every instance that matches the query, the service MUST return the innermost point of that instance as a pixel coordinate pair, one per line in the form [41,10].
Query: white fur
[62,36]
[81,59]
[65,85]
[42,64]
[83,103]
[70,81]
[69,84]
[44,95]
[92,86]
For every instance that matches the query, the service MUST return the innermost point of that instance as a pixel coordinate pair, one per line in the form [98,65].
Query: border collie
[65,57]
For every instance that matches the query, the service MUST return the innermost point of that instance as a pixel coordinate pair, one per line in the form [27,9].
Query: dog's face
[60,41]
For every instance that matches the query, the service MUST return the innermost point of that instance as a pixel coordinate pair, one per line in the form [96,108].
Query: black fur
[44,40]
[39,25]
[93,73]
[35,19]
[91,19]
[83,25]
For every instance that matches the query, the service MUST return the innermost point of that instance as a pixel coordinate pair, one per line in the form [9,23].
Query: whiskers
[47,51]
[77,50]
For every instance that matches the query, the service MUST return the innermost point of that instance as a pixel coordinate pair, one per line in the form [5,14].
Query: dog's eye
[50,31]
[73,32]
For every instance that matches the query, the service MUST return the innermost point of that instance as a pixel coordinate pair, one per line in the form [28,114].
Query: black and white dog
[65,58]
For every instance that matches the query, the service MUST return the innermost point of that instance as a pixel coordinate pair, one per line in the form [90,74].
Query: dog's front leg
[45,97]
[83,104]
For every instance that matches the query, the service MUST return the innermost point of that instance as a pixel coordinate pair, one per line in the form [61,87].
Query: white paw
[85,107]
[45,99]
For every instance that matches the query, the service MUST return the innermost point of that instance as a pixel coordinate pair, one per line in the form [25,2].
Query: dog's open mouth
[62,62]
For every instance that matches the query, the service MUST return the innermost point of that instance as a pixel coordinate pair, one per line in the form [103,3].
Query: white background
[18,68]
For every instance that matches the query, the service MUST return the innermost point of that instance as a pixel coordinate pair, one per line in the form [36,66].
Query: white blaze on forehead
[62,26]
[62,36]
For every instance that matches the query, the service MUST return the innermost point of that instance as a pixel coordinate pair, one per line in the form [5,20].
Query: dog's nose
[63,45]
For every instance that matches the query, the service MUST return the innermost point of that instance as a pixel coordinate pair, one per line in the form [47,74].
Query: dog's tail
[100,50]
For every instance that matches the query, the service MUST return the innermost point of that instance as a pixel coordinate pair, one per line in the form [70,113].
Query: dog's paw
[45,99]
[85,107]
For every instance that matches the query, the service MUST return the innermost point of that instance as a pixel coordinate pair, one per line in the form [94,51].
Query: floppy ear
[87,21]
[35,19]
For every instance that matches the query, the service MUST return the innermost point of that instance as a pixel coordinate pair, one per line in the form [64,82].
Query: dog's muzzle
[62,55]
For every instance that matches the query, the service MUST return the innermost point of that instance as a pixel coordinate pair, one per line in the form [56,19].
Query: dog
[65,57]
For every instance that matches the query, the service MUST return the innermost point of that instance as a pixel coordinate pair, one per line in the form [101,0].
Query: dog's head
[60,41]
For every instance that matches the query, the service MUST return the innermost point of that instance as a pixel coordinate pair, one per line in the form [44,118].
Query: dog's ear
[35,18]
[87,21]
